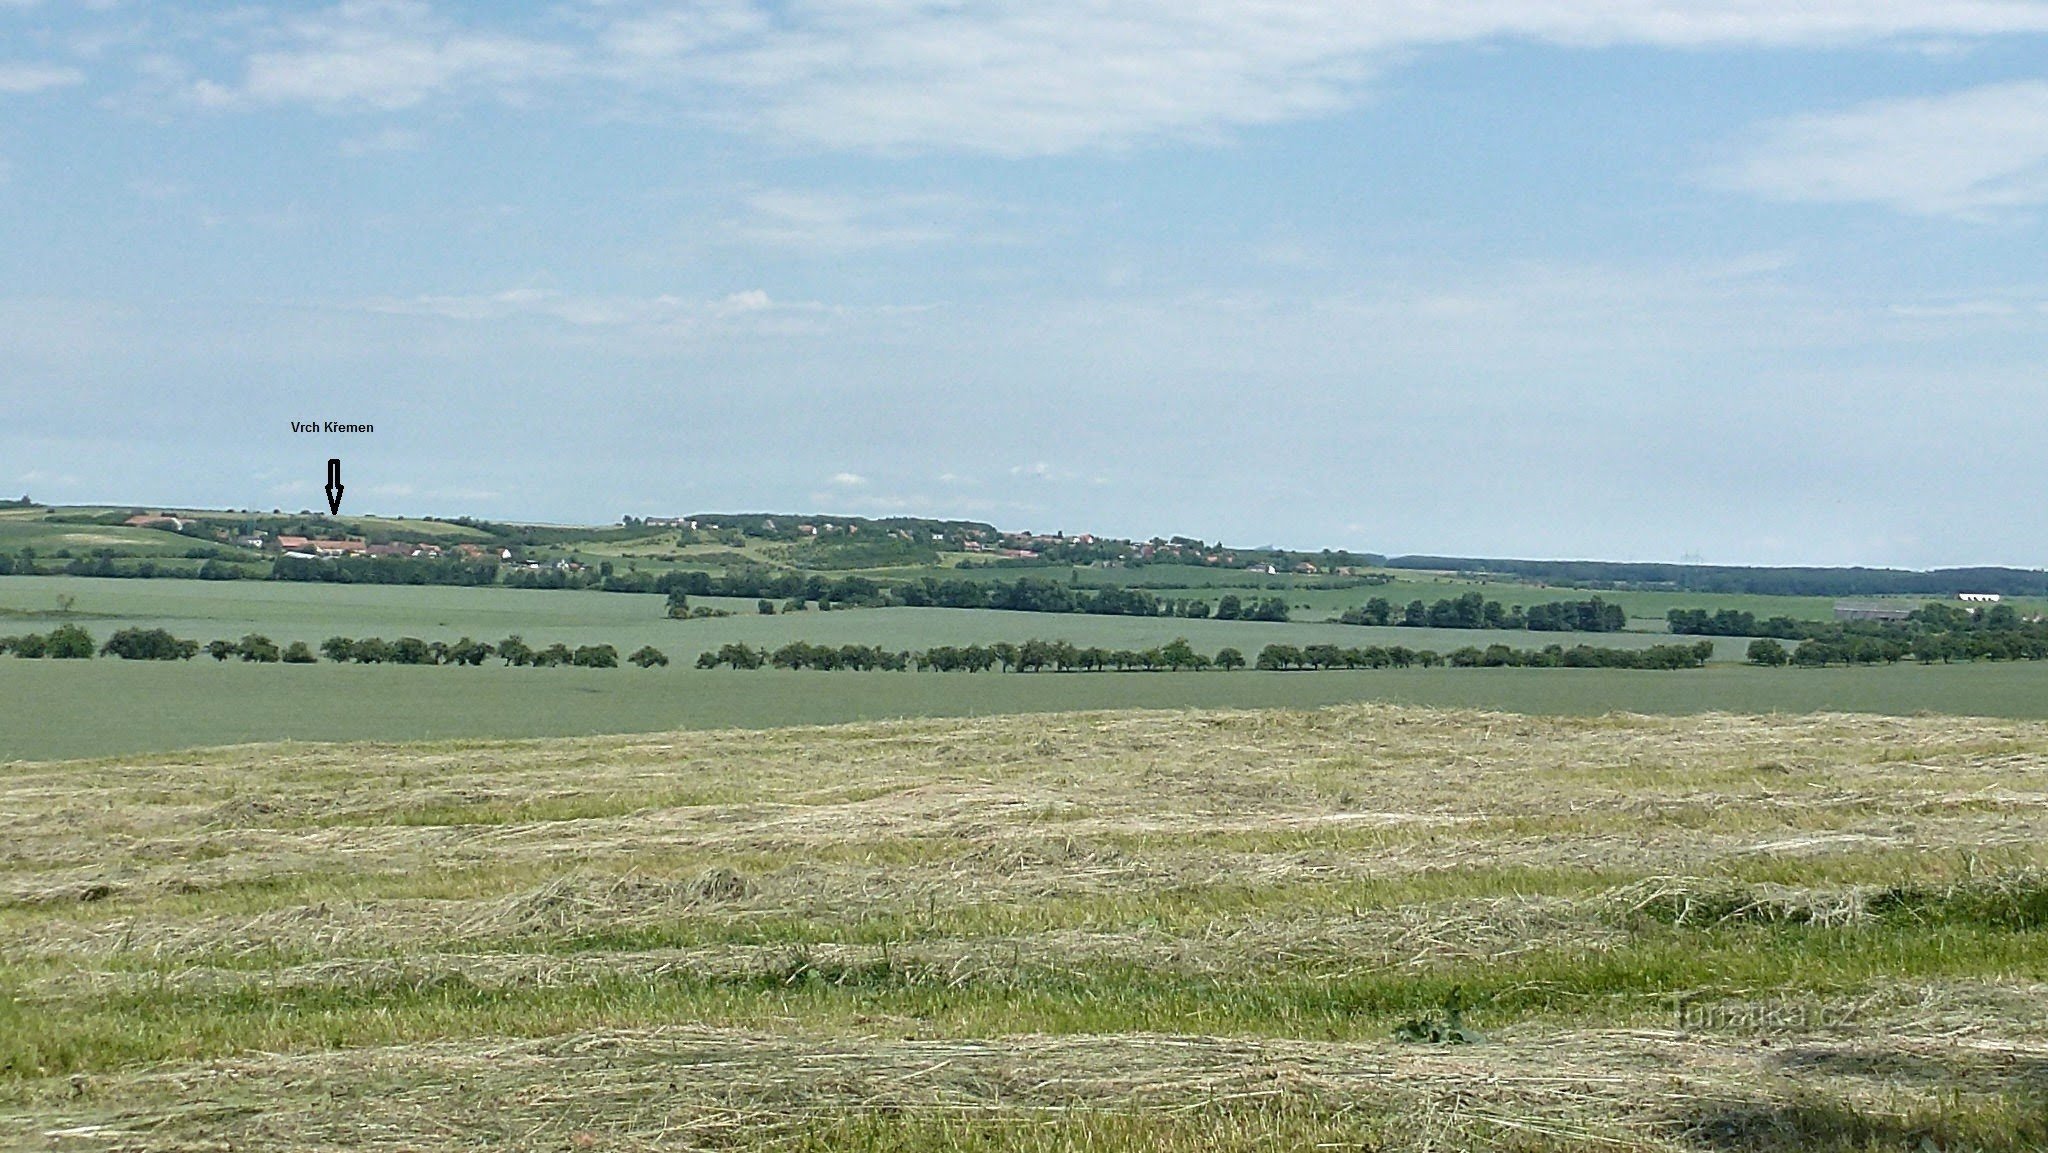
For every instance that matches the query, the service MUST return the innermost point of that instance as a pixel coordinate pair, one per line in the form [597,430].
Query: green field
[109,707]
[1189,932]
[19,531]
[287,611]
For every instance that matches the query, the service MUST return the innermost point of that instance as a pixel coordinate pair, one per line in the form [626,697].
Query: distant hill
[1746,579]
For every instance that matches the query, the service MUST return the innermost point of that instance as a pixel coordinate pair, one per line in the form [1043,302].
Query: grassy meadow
[1165,930]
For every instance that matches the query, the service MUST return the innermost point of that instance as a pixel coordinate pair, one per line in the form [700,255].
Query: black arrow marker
[334,485]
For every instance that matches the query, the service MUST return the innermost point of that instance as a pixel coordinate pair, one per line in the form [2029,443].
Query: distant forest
[1814,582]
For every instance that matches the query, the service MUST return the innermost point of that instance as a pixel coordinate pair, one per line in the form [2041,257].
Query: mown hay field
[1181,930]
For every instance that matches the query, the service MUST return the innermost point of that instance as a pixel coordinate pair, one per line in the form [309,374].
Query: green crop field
[18,532]
[110,707]
[1366,928]
[287,611]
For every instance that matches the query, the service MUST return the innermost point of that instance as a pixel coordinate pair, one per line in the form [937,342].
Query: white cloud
[834,222]
[23,79]
[981,75]
[1975,153]
[1064,74]
[848,479]
[385,55]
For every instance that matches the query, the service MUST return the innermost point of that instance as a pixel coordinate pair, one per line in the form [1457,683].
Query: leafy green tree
[1229,608]
[467,652]
[1768,653]
[1416,615]
[337,649]
[146,645]
[515,650]
[595,657]
[647,656]
[1276,657]
[411,651]
[1229,659]
[299,653]
[1179,654]
[1006,654]
[678,605]
[69,643]
[220,650]
[765,607]
[258,648]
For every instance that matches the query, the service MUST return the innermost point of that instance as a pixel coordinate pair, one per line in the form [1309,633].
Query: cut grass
[1194,930]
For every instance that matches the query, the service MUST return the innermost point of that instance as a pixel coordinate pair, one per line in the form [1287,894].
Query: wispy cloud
[813,221]
[848,480]
[580,311]
[976,75]
[385,55]
[1065,74]
[1974,154]
[24,79]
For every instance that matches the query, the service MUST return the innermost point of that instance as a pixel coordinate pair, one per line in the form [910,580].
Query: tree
[515,650]
[765,607]
[678,605]
[467,652]
[258,648]
[337,649]
[647,656]
[1229,608]
[595,657]
[146,645]
[1768,653]
[411,651]
[69,643]
[1273,658]
[1416,615]
[220,650]
[298,653]
[1179,654]
[1228,659]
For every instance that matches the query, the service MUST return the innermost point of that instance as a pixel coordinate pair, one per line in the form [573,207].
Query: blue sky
[1645,279]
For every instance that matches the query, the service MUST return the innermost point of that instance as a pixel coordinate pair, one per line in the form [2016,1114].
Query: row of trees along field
[1930,617]
[75,643]
[1026,594]
[1179,656]
[1474,611]
[1931,633]
[1927,647]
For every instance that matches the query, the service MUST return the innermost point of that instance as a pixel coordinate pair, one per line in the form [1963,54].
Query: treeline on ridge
[1795,581]
[1179,656]
[1474,611]
[1933,633]
[1025,594]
